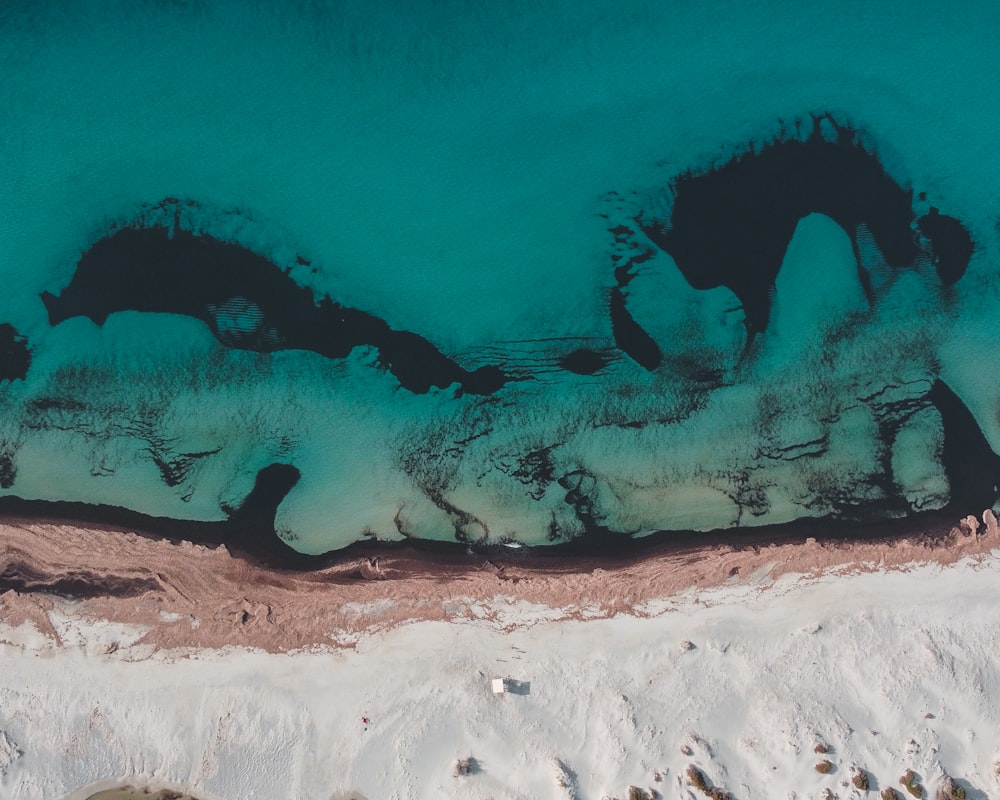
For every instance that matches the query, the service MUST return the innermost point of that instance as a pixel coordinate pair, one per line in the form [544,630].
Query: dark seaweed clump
[15,356]
[248,302]
[731,225]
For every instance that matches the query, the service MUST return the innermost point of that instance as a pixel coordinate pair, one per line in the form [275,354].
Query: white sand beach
[887,667]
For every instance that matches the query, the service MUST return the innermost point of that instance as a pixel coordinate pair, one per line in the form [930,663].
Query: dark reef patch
[631,337]
[584,361]
[256,513]
[951,245]
[248,303]
[15,356]
[973,469]
[8,471]
[731,225]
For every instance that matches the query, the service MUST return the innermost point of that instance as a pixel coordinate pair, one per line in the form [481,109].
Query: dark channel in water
[731,225]
[248,302]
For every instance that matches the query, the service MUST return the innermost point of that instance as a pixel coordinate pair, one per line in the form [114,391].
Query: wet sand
[190,596]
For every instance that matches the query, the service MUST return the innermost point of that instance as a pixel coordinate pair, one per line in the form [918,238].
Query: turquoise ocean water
[458,170]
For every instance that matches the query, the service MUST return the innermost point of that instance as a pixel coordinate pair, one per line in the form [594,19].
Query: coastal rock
[370,570]
[990,521]
[969,525]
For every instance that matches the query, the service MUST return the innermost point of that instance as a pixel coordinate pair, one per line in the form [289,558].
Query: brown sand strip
[131,793]
[201,596]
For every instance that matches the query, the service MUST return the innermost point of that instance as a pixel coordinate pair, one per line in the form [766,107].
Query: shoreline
[250,534]
[185,595]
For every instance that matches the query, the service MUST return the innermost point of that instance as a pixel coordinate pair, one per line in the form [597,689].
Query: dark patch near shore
[584,361]
[596,543]
[248,531]
[890,416]
[254,518]
[19,577]
[951,245]
[973,469]
[15,355]
[631,337]
[248,303]
[8,471]
[731,225]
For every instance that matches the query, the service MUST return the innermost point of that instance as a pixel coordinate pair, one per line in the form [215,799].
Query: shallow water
[528,334]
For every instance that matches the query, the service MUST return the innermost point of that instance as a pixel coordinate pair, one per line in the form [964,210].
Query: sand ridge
[181,595]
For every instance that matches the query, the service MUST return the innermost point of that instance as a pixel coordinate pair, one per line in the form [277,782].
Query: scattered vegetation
[825,767]
[565,778]
[949,790]
[697,779]
[466,766]
[636,793]
[821,748]
[860,779]
[700,782]
[908,780]
[888,793]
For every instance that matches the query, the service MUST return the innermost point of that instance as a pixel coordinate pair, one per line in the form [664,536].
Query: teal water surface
[459,170]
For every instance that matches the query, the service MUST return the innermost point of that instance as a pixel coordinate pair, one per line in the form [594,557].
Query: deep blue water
[483,272]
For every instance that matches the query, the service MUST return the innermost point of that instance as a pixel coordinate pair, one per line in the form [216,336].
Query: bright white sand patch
[892,671]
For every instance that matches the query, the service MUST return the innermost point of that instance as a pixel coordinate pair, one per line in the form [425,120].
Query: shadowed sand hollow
[130,793]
